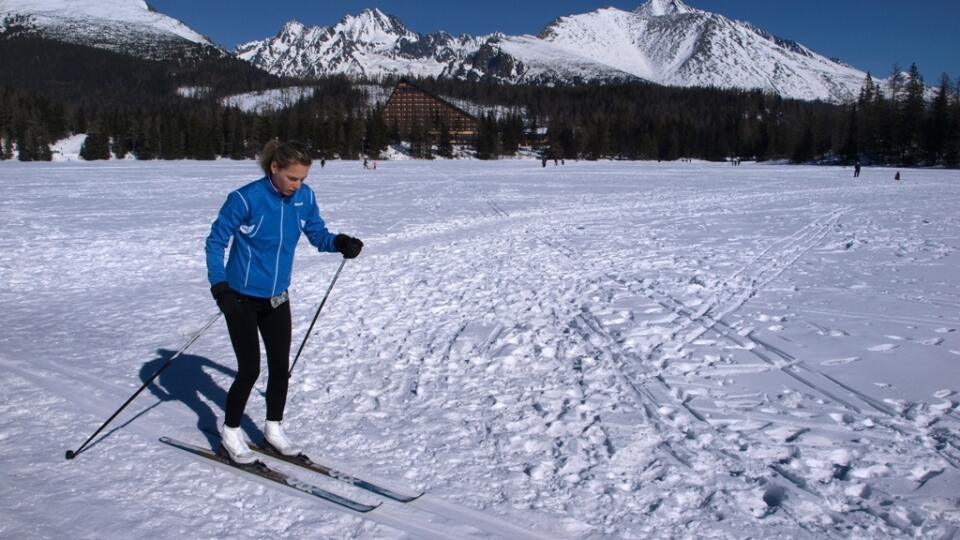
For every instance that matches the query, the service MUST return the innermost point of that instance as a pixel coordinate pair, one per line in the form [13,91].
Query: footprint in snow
[839,361]
[841,418]
[886,347]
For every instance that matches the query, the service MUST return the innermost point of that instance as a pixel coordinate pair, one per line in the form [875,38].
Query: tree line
[138,112]
[894,123]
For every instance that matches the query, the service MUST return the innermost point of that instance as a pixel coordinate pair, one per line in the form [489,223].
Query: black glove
[348,245]
[227,299]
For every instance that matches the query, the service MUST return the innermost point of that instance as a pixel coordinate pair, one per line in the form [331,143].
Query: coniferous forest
[129,106]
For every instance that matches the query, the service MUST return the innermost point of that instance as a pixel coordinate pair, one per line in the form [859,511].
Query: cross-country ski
[260,470]
[302,460]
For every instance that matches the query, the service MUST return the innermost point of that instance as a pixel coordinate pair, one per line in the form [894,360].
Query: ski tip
[409,498]
[371,509]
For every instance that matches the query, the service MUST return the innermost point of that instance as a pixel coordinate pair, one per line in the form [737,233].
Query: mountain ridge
[662,41]
[666,42]
[125,26]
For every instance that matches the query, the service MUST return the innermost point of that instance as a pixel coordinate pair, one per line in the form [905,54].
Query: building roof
[432,95]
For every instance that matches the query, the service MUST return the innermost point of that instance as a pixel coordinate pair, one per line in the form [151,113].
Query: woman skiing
[265,219]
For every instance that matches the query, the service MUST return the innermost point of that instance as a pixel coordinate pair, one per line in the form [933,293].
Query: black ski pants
[274,325]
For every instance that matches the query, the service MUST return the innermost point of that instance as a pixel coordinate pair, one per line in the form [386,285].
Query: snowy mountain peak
[293,26]
[127,26]
[370,44]
[371,24]
[661,8]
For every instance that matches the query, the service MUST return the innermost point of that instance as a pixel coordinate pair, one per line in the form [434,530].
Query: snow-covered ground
[274,99]
[596,350]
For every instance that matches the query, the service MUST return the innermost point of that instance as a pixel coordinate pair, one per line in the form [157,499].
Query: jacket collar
[270,187]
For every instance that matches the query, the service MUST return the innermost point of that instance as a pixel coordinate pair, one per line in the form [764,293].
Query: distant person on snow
[856,170]
[897,176]
[265,219]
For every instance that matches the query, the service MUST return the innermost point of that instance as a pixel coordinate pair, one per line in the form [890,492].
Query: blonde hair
[284,155]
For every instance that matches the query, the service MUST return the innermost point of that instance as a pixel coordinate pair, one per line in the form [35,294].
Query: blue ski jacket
[265,227]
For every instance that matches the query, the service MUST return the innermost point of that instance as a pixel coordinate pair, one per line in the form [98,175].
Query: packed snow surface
[591,350]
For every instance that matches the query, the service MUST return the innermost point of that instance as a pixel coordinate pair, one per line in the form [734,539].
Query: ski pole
[317,314]
[72,454]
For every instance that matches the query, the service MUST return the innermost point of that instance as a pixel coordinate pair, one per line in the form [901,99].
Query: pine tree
[868,122]
[850,150]
[445,144]
[938,124]
[951,153]
[598,141]
[488,140]
[172,137]
[669,149]
[201,140]
[804,151]
[884,126]
[35,145]
[512,135]
[95,147]
[121,139]
[912,113]
[375,134]
[146,139]
[897,82]
[563,142]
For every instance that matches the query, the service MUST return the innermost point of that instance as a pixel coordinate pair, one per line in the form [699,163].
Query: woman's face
[289,179]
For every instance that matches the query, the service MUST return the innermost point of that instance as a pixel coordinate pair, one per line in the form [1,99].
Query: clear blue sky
[869,34]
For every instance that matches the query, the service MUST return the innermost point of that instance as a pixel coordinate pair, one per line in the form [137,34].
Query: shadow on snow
[187,381]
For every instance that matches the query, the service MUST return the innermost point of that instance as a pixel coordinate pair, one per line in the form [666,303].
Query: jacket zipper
[276,268]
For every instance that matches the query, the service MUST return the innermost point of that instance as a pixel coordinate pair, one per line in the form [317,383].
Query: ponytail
[284,155]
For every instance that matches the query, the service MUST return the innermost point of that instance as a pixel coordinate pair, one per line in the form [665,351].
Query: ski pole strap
[315,316]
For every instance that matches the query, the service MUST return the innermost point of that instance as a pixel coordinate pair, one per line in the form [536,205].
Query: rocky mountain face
[368,45]
[662,41]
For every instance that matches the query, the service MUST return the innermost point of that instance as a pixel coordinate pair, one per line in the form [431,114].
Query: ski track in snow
[596,350]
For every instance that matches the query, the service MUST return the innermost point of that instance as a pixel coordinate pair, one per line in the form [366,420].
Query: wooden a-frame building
[410,106]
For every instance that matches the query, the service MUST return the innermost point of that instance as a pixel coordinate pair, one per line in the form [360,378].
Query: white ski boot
[279,441]
[231,439]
